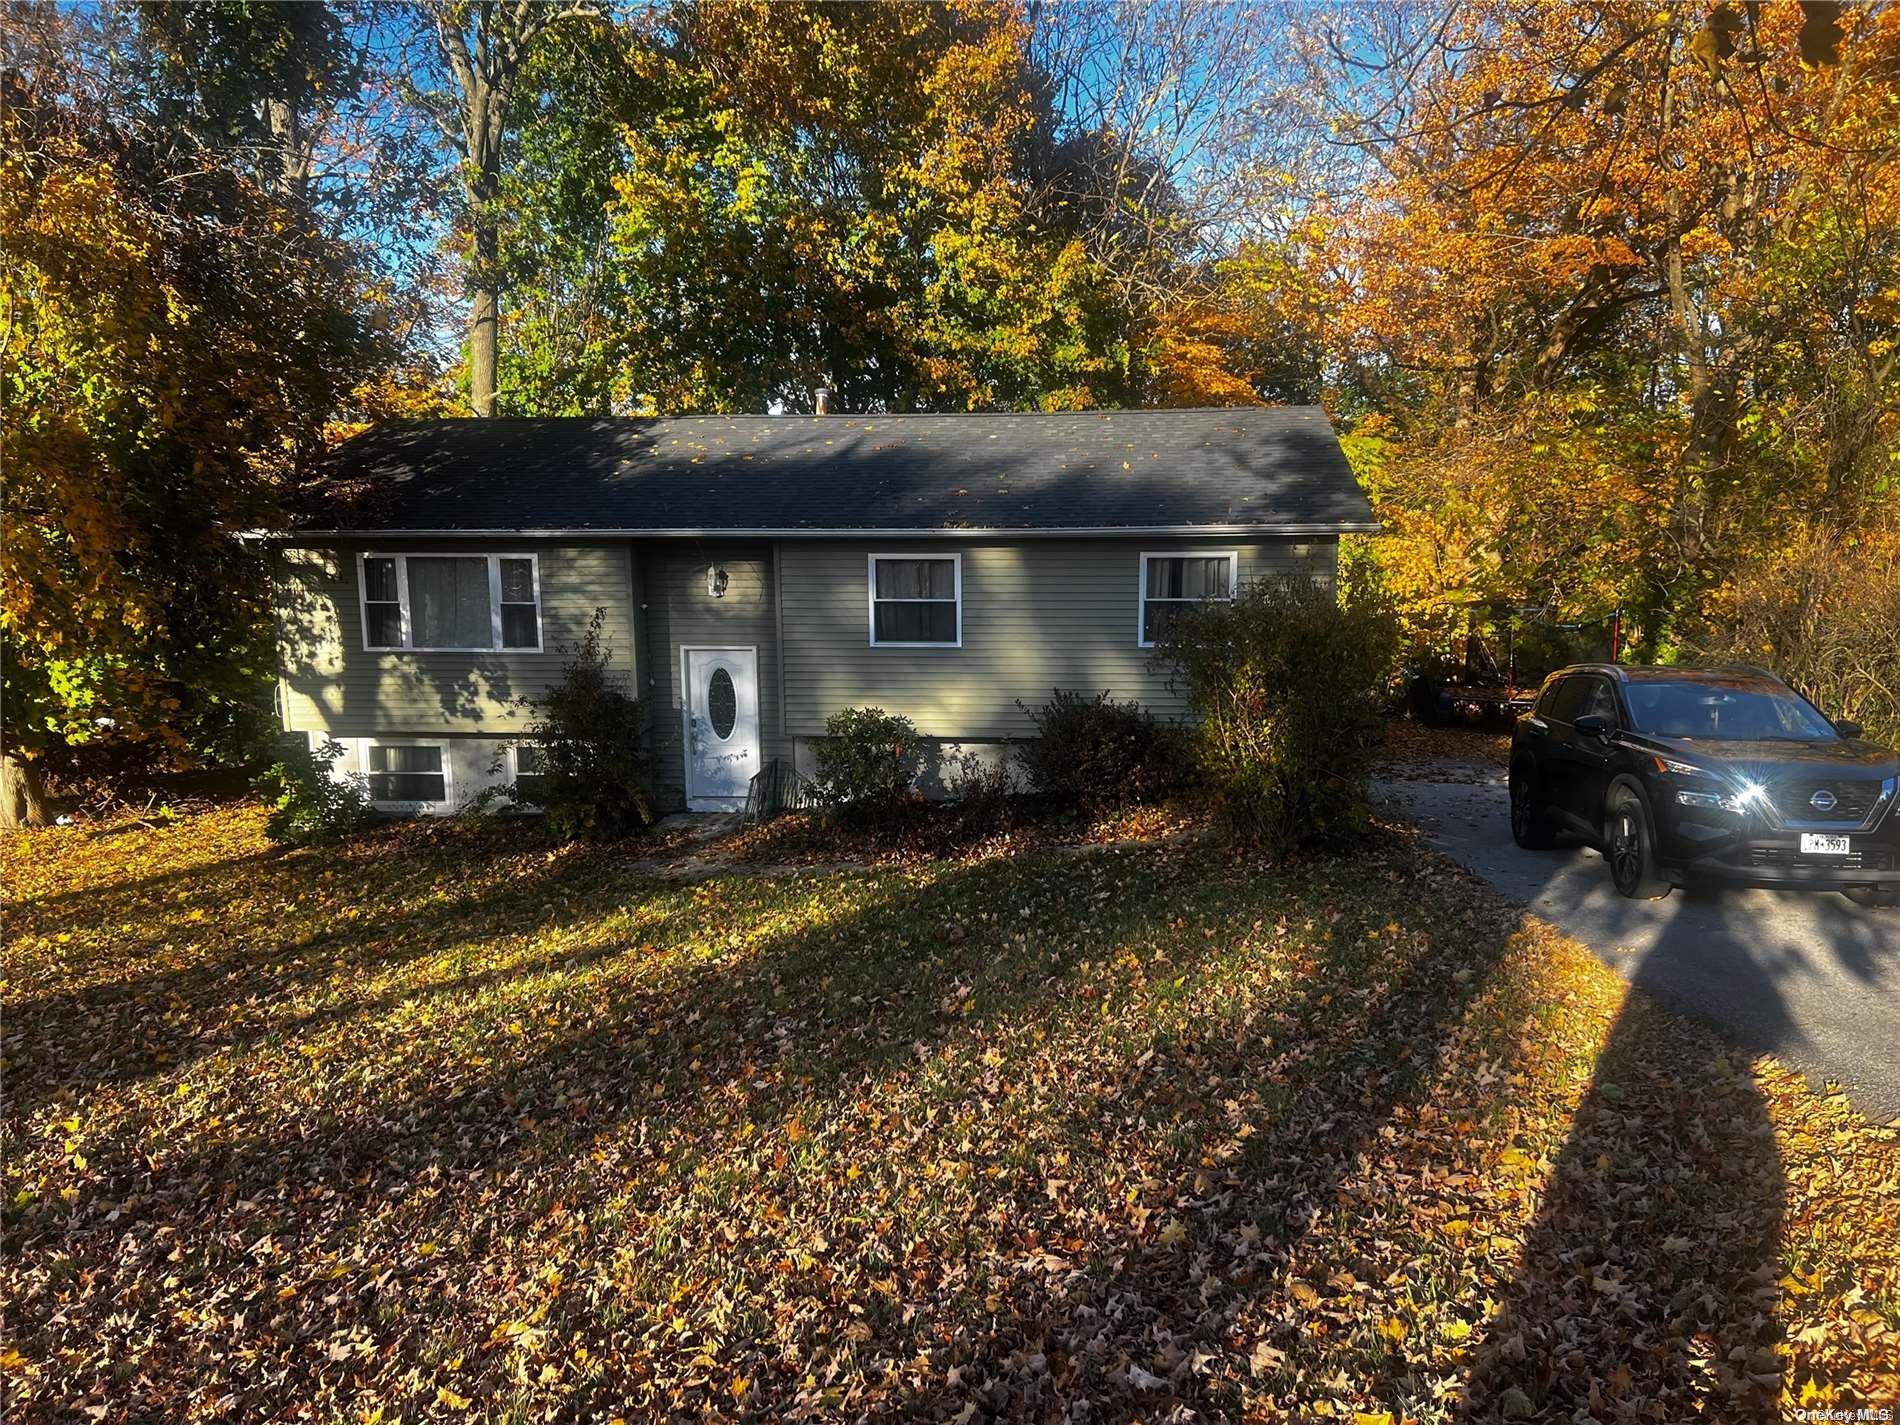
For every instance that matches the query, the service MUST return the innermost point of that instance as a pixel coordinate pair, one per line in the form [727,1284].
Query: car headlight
[1747,797]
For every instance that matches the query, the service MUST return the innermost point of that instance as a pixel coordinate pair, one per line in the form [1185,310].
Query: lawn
[448,1125]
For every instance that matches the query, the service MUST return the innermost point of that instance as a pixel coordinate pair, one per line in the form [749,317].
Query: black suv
[1725,773]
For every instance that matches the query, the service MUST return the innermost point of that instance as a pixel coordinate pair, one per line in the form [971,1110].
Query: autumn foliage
[178,330]
[1623,292]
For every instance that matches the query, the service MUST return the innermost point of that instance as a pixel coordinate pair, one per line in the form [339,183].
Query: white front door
[722,726]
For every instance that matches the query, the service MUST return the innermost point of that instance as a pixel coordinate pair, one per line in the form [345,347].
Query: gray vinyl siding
[1037,615]
[681,613]
[329,683]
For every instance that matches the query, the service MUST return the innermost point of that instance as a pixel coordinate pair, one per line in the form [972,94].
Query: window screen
[914,601]
[406,774]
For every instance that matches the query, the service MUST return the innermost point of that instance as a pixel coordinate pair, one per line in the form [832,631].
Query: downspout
[778,632]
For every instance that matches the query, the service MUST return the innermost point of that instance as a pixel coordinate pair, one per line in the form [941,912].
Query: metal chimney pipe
[821,400]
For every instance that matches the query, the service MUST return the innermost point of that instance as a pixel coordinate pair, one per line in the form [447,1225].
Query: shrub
[308,803]
[1287,683]
[1092,753]
[866,761]
[591,738]
[984,793]
[1823,611]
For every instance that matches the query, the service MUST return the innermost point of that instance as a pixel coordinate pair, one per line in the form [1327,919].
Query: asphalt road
[1810,977]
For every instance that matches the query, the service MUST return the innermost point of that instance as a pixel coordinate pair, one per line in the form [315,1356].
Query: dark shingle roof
[1278,467]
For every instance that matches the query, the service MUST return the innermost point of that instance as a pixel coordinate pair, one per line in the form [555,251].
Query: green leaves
[758,199]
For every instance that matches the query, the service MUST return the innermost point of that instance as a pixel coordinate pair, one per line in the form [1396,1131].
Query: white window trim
[872,600]
[402,558]
[363,746]
[1232,556]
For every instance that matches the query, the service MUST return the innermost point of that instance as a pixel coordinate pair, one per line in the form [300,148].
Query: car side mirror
[1593,725]
[1848,728]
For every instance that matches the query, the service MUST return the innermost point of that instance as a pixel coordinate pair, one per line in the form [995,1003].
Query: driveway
[1812,978]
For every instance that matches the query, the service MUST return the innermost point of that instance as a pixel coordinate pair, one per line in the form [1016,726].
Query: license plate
[1813,845]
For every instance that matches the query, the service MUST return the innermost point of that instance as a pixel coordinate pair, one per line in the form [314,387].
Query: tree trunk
[486,108]
[484,314]
[22,796]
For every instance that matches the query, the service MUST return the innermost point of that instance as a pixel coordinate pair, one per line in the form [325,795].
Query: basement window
[407,774]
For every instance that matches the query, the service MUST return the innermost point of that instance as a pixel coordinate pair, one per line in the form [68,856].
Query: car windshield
[1725,712]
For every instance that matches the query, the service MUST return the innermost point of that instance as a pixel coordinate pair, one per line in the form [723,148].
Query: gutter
[1323,527]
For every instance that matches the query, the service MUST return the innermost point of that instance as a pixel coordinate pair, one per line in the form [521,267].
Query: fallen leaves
[541,1137]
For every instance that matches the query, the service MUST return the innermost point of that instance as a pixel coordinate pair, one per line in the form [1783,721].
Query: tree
[734,203]
[256,77]
[483,45]
[1620,279]
[175,337]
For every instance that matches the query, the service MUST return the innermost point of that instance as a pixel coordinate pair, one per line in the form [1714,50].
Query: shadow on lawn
[422,1151]
[134,1023]
[532,1113]
[1648,1286]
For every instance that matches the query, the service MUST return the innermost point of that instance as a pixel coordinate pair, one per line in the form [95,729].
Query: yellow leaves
[447,1397]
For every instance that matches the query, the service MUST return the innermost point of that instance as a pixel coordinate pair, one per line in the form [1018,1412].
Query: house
[758,573]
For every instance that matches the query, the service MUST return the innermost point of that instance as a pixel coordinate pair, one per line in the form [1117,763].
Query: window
[451,602]
[917,601]
[1571,694]
[1170,580]
[1547,700]
[1600,701]
[406,772]
[520,609]
[531,774]
[1727,708]
[722,703]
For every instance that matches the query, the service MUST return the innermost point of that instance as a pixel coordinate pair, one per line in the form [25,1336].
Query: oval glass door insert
[722,703]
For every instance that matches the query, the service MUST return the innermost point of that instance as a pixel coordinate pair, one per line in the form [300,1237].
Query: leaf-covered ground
[444,1125]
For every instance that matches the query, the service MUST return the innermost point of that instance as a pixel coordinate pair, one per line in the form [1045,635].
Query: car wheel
[1630,846]
[1530,822]
[1873,897]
